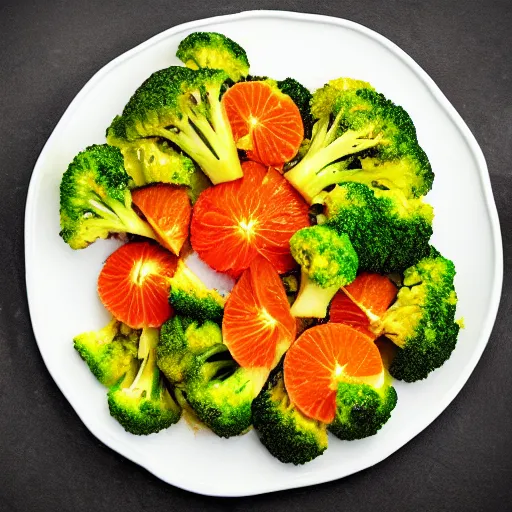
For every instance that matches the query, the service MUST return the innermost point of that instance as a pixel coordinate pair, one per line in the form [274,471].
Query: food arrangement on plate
[312,202]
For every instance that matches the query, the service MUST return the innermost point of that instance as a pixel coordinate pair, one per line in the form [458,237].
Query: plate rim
[495,292]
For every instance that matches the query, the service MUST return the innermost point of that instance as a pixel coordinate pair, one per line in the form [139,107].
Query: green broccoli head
[388,232]
[189,296]
[361,410]
[422,320]
[328,261]
[144,406]
[183,106]
[185,344]
[357,131]
[110,353]
[287,434]
[153,160]
[216,51]
[327,257]
[302,98]
[326,97]
[221,395]
[95,200]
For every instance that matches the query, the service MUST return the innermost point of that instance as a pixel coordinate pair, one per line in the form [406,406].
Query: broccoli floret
[184,346]
[389,233]
[422,320]
[286,433]
[110,353]
[328,262]
[95,200]
[183,106]
[153,160]
[302,98]
[189,297]
[360,136]
[144,406]
[361,409]
[216,51]
[221,394]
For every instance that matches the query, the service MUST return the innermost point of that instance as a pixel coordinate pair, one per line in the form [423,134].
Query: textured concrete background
[48,460]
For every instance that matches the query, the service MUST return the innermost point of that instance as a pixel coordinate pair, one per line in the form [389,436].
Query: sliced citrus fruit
[168,211]
[344,311]
[258,327]
[134,284]
[363,301]
[322,357]
[234,222]
[264,121]
[373,293]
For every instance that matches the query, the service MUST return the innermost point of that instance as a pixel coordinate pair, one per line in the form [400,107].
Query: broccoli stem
[219,167]
[312,300]
[312,174]
[211,370]
[120,218]
[143,384]
[210,141]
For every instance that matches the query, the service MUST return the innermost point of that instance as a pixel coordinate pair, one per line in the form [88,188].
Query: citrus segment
[344,311]
[373,293]
[264,121]
[257,326]
[322,357]
[234,222]
[134,284]
[168,211]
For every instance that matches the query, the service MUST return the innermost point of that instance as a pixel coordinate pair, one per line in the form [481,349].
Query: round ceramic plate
[61,283]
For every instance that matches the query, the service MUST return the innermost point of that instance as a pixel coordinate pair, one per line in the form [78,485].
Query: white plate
[61,283]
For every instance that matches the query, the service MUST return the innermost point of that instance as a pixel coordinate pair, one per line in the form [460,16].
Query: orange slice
[234,222]
[373,293]
[322,357]
[134,284]
[264,121]
[168,211]
[364,300]
[258,327]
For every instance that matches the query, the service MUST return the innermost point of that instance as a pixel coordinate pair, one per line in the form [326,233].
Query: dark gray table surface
[48,459]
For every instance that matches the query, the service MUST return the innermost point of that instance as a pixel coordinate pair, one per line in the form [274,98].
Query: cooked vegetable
[153,160]
[388,232]
[95,200]
[192,356]
[328,262]
[216,51]
[422,320]
[110,353]
[362,409]
[184,346]
[343,236]
[221,394]
[144,405]
[286,433]
[183,106]
[360,136]
[189,297]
